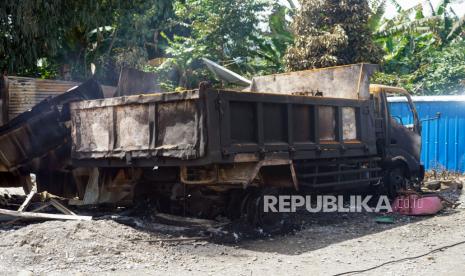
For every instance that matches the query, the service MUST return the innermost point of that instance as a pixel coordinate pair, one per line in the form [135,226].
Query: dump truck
[210,152]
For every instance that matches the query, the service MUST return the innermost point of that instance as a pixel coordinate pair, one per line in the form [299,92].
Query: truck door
[403,143]
[399,137]
[405,133]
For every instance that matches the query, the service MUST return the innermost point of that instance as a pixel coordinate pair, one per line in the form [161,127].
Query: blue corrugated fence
[443,138]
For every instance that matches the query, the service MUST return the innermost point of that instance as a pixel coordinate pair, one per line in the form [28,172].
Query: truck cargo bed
[218,126]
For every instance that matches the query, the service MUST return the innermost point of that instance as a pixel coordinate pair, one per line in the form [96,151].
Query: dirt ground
[327,244]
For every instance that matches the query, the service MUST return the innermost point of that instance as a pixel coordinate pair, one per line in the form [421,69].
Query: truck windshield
[403,111]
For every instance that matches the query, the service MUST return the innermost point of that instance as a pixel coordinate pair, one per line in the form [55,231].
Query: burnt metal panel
[275,123]
[145,126]
[246,113]
[179,128]
[32,139]
[327,127]
[348,82]
[37,132]
[303,123]
[315,128]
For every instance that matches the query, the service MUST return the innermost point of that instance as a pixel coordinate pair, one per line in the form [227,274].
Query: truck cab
[398,142]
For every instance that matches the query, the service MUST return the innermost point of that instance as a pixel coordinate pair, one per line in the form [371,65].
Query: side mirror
[436,117]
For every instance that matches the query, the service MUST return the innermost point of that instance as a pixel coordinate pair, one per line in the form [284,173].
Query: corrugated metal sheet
[443,138]
[24,93]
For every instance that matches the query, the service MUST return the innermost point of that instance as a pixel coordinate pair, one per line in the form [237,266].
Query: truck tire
[253,212]
[395,180]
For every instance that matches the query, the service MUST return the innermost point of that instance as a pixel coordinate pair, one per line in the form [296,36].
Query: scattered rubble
[326,243]
[122,242]
[46,200]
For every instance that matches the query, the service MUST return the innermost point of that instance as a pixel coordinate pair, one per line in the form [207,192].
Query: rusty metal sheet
[25,93]
[32,139]
[132,127]
[165,125]
[349,82]
[36,132]
[91,129]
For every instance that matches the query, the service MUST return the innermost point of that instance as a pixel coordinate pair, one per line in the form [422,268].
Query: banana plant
[424,48]
[272,44]
[442,22]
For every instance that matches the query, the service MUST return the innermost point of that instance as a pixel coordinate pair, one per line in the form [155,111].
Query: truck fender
[411,164]
[289,181]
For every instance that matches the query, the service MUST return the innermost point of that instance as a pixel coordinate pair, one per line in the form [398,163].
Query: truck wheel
[254,213]
[396,180]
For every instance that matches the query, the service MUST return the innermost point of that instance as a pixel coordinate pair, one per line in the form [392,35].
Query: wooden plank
[173,239]
[35,210]
[27,201]
[30,215]
[188,220]
[61,207]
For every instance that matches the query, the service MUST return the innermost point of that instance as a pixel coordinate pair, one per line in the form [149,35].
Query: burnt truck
[210,152]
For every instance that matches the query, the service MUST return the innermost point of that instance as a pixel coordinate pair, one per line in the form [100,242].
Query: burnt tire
[254,214]
[395,180]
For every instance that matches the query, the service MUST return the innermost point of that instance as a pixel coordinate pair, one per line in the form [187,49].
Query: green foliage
[423,45]
[223,26]
[130,36]
[378,8]
[184,62]
[138,31]
[271,45]
[330,33]
[110,33]
[221,30]
[437,73]
[425,54]
[30,30]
